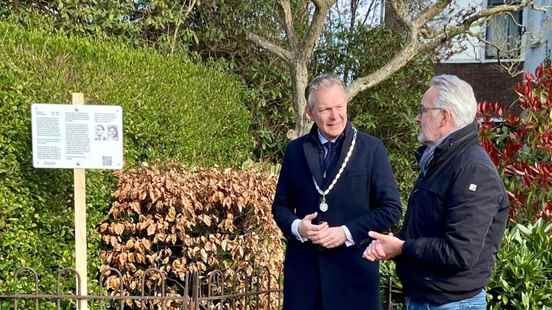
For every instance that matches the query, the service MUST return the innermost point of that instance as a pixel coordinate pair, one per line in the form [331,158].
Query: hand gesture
[382,247]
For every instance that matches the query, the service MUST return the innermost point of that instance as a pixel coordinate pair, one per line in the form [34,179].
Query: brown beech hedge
[182,220]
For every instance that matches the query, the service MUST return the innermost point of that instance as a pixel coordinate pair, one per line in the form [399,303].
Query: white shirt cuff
[349,240]
[295,230]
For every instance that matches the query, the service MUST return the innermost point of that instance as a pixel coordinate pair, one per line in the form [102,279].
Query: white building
[504,45]
[523,37]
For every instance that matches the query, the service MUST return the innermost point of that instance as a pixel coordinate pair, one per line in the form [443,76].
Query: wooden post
[80,225]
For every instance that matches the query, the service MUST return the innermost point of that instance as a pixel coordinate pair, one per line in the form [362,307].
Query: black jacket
[455,221]
[365,198]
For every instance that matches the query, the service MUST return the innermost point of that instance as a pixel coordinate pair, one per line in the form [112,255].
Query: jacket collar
[466,135]
[312,148]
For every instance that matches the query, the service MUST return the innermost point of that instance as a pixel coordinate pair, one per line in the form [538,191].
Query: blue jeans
[477,302]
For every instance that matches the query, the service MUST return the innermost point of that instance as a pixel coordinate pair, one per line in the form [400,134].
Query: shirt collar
[323,139]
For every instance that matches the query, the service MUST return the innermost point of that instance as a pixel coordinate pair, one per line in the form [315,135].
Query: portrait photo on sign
[112,133]
[100,134]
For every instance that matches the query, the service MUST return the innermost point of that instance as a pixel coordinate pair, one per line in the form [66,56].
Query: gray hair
[457,97]
[322,81]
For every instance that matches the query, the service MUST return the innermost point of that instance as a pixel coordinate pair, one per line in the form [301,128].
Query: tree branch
[399,61]
[353,7]
[414,46]
[499,49]
[316,27]
[402,12]
[275,49]
[288,23]
[431,12]
[369,10]
[497,10]
[450,32]
[181,20]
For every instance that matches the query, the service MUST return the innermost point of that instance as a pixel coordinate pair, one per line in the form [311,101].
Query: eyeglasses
[422,109]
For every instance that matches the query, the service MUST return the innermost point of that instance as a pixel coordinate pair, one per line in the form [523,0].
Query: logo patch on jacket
[472,187]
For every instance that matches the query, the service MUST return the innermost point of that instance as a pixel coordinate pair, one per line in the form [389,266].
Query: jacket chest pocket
[428,210]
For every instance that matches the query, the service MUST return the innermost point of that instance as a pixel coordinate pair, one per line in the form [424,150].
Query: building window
[503,34]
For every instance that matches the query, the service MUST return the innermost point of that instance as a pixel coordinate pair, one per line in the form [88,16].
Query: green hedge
[522,276]
[173,109]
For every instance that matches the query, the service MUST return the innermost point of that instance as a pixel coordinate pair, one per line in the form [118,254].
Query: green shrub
[521,277]
[173,109]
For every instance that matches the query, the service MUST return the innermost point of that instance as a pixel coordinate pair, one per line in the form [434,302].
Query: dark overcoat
[364,198]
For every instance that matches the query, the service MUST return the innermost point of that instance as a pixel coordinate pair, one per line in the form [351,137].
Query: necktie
[329,146]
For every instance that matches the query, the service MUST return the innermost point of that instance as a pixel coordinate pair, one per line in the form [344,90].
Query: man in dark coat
[335,185]
[457,210]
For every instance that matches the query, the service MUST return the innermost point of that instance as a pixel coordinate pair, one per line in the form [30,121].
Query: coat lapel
[311,148]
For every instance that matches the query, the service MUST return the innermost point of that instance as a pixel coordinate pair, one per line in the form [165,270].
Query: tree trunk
[300,83]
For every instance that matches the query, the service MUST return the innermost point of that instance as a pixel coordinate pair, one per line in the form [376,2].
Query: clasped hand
[321,234]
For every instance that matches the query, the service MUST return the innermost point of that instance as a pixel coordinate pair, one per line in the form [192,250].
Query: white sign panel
[77,136]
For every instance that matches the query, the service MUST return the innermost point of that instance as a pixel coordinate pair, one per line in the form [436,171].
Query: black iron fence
[241,289]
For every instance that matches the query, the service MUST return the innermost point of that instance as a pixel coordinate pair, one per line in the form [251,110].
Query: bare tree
[428,27]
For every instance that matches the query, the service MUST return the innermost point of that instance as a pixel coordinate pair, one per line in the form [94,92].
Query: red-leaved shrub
[520,145]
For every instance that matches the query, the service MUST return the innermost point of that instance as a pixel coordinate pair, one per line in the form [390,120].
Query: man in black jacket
[335,186]
[457,210]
